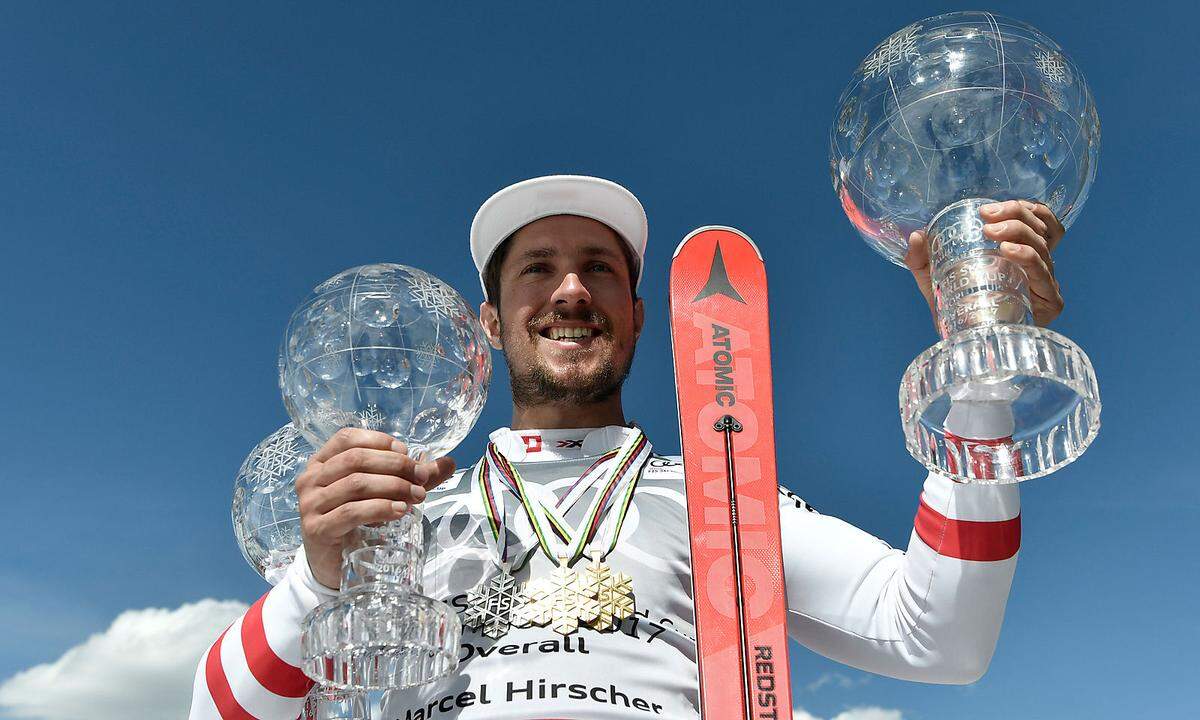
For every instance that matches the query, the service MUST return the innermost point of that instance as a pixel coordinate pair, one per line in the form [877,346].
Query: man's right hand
[357,478]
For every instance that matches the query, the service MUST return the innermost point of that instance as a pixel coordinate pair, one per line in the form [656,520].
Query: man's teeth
[562,333]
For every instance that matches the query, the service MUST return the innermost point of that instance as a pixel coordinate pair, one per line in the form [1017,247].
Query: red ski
[722,351]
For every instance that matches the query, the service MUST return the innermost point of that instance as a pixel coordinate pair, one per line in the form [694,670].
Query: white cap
[517,205]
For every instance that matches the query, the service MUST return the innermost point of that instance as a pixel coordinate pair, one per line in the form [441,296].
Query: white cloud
[856,713]
[869,713]
[842,681]
[140,667]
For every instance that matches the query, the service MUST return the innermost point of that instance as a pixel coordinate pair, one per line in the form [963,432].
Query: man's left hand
[1027,233]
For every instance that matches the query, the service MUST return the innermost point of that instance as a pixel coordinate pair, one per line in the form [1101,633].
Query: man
[560,259]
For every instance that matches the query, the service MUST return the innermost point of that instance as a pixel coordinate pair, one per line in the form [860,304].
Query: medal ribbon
[492,485]
[630,458]
[491,490]
[622,484]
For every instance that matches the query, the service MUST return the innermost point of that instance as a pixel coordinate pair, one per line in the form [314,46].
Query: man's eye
[602,267]
[533,268]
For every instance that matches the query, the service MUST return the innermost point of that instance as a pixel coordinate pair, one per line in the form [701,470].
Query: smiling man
[572,319]
[573,504]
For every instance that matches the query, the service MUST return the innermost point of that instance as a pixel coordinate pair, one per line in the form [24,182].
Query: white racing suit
[931,613]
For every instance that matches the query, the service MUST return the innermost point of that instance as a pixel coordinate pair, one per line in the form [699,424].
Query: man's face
[567,323]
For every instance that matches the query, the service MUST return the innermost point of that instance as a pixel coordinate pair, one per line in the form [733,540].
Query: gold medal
[614,595]
[531,607]
[562,600]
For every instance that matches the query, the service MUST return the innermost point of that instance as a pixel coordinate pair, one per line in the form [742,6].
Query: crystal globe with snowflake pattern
[266,513]
[385,347]
[962,105]
[389,348]
[945,116]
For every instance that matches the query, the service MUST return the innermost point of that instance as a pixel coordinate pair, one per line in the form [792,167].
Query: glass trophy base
[374,637]
[1055,403]
[327,703]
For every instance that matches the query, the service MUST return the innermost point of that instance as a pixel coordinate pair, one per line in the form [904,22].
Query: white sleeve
[252,670]
[931,613]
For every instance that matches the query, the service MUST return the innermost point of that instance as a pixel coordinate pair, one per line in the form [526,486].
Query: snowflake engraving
[371,417]
[336,417]
[1052,65]
[895,50]
[490,606]
[432,294]
[431,348]
[563,600]
[274,459]
[614,596]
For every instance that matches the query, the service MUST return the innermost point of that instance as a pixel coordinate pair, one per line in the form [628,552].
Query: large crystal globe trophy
[389,348]
[944,116]
[266,523]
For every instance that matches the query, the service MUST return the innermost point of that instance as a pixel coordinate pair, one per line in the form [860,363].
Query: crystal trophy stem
[993,368]
[973,284]
[381,632]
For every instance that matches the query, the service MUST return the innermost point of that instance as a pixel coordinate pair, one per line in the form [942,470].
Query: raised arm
[931,613]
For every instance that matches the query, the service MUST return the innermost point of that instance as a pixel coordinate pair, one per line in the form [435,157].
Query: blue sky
[174,179]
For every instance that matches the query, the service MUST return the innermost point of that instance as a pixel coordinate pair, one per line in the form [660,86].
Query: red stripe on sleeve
[271,671]
[218,686]
[968,539]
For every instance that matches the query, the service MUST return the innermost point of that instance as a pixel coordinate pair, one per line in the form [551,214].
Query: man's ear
[490,319]
[639,317]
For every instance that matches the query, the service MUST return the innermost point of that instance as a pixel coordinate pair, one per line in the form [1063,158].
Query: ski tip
[706,228]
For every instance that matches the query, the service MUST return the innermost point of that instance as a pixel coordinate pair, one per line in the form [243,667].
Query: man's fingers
[917,262]
[917,257]
[431,474]
[347,438]
[363,486]
[1043,288]
[1020,210]
[365,460]
[1054,228]
[1018,233]
[341,520]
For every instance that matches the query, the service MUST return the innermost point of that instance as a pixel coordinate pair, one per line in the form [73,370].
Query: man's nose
[571,291]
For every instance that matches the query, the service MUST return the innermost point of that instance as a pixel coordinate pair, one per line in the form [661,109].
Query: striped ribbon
[622,484]
[564,542]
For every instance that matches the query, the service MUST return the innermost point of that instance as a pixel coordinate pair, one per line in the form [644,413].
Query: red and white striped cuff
[245,676]
[249,671]
[969,522]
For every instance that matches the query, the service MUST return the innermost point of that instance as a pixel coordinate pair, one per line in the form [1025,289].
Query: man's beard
[538,386]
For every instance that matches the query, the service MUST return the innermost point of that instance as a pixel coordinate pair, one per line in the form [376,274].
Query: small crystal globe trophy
[389,348]
[266,523]
[946,115]
[266,513]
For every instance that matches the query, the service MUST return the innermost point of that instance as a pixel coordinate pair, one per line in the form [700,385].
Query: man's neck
[549,416]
